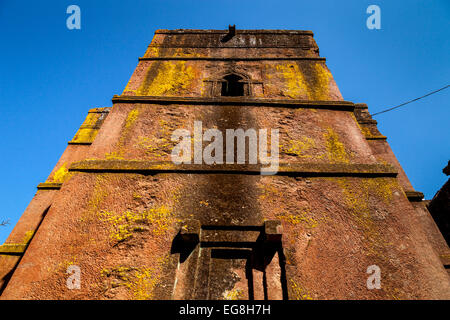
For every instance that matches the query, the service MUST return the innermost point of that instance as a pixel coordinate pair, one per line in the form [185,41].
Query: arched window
[232,85]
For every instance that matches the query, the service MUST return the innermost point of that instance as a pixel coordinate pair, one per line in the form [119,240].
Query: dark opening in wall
[232,86]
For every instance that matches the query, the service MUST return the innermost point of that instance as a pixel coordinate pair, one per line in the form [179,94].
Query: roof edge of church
[241,31]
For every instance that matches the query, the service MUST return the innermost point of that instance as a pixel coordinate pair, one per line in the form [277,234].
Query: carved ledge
[237,101]
[289,169]
[414,195]
[49,186]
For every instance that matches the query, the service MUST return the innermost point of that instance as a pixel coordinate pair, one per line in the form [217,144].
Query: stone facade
[141,227]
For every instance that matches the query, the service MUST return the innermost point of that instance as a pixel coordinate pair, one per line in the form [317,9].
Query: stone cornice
[414,195]
[238,31]
[49,186]
[233,58]
[237,101]
[13,249]
[289,169]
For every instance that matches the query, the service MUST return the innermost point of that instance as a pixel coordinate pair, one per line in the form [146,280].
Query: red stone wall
[124,211]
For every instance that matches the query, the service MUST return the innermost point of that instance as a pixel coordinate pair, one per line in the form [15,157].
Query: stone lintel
[289,169]
[237,101]
[49,186]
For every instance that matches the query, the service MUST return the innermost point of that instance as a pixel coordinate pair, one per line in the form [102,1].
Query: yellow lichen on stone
[114,155]
[298,147]
[12,248]
[304,217]
[299,292]
[88,130]
[235,294]
[153,52]
[173,77]
[120,230]
[335,149]
[85,135]
[140,281]
[186,52]
[383,188]
[129,122]
[159,145]
[127,89]
[144,283]
[62,266]
[364,130]
[357,197]
[118,154]
[131,118]
[27,237]
[323,76]
[313,85]
[268,192]
[155,147]
[62,174]
[137,196]
[123,225]
[295,83]
[97,196]
[91,119]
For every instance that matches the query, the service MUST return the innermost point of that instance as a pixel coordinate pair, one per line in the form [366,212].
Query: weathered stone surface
[141,227]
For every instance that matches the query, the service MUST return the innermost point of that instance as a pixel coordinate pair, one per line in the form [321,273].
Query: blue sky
[50,76]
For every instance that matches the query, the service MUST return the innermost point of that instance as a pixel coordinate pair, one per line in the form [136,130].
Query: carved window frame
[214,84]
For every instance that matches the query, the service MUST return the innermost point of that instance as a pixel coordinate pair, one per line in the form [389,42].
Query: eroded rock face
[139,226]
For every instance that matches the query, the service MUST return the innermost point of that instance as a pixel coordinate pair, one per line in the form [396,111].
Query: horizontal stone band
[376,138]
[233,58]
[13,248]
[79,143]
[49,186]
[237,101]
[290,169]
[243,31]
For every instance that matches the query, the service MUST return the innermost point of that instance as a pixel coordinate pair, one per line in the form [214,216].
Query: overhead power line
[4,223]
[400,105]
